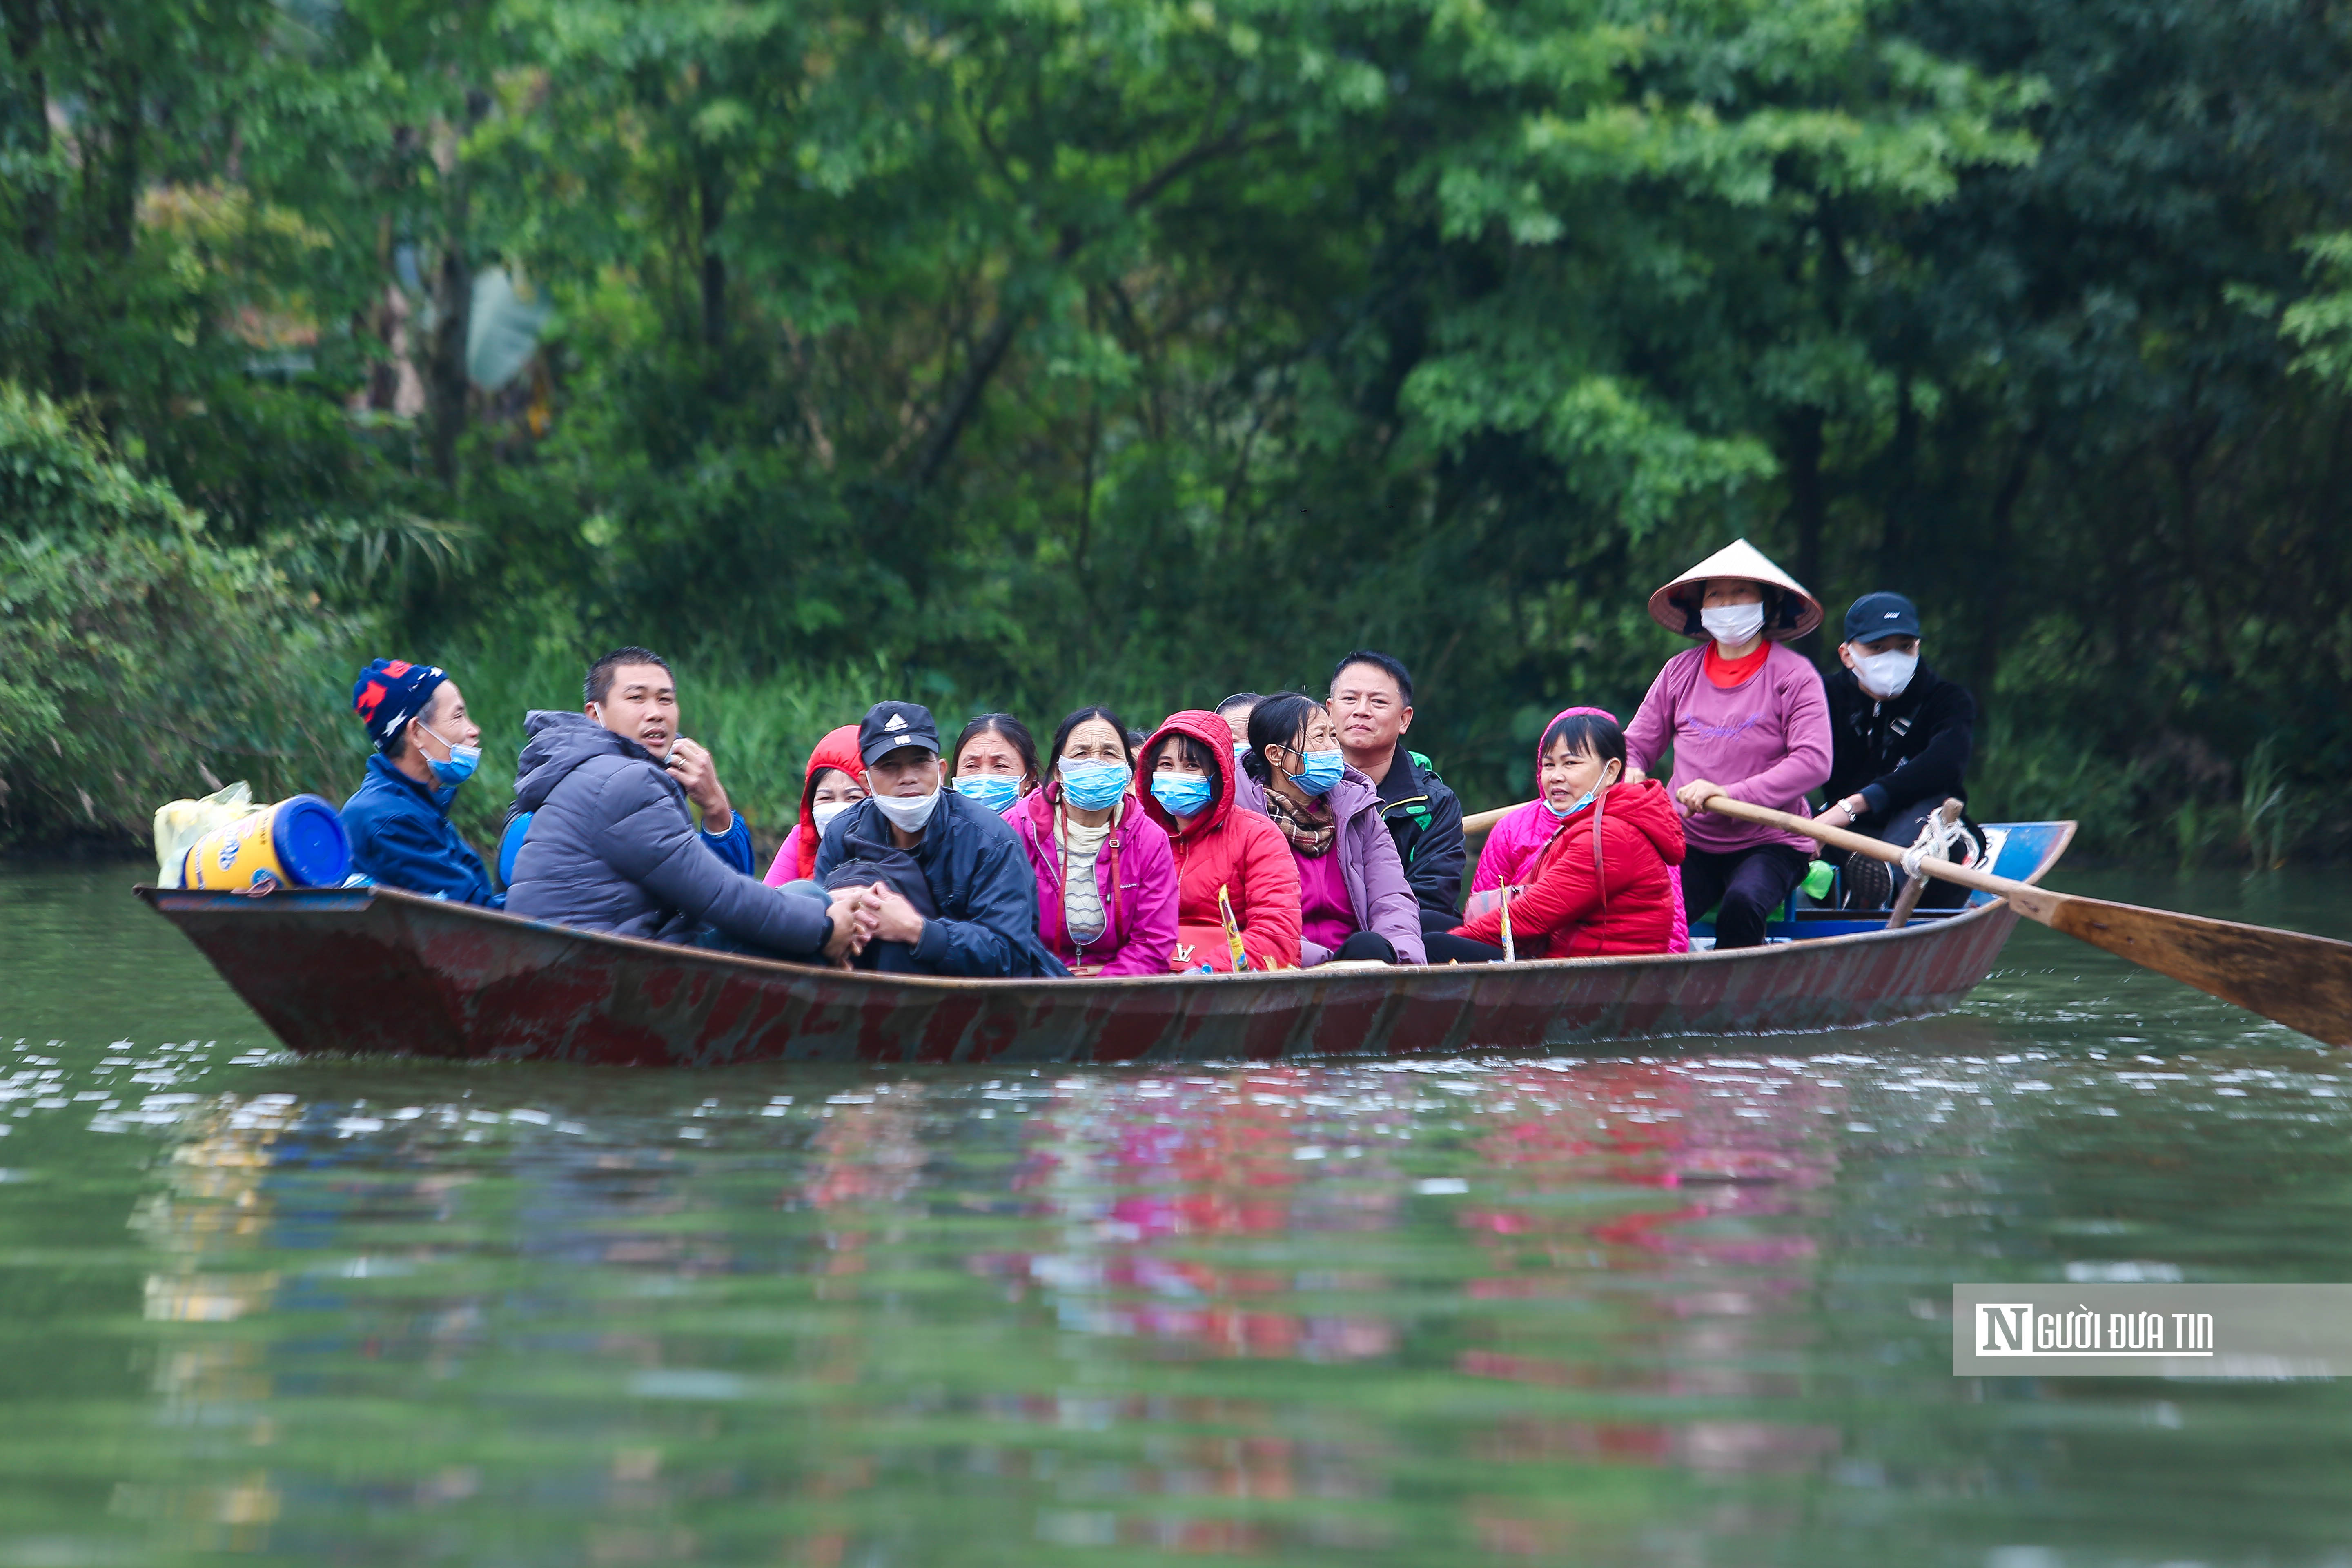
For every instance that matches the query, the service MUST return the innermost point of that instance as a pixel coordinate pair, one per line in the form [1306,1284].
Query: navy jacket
[401,836]
[612,847]
[980,878]
[1898,752]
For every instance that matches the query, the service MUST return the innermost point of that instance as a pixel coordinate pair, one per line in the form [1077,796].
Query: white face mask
[1733,625]
[824,811]
[1884,674]
[907,814]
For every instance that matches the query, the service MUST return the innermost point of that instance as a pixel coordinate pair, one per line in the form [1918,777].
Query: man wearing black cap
[957,894]
[1901,734]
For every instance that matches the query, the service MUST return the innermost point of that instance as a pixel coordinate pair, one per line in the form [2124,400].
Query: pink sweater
[1766,741]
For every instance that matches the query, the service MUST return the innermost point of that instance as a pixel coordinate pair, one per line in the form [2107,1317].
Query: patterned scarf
[1311,832]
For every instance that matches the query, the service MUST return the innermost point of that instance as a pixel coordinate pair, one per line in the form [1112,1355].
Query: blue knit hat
[390,692]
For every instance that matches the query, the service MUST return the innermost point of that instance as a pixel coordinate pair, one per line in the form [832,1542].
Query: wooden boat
[376,970]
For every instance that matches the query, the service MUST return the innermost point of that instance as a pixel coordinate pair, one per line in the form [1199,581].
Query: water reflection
[1679,1310]
[776,1313]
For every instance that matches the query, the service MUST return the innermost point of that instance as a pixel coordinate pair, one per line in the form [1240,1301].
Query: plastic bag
[181,823]
[1485,901]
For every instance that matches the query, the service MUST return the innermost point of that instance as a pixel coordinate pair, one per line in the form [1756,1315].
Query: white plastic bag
[181,823]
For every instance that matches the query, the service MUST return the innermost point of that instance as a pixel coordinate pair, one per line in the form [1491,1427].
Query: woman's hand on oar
[2289,977]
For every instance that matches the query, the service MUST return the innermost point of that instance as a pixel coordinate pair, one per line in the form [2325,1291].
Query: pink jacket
[1141,911]
[1766,741]
[1513,844]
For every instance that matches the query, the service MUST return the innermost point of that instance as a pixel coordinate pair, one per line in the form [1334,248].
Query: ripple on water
[1681,1306]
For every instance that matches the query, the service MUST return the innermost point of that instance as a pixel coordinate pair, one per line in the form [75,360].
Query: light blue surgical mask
[1184,795]
[1240,750]
[462,762]
[1572,810]
[1321,773]
[994,791]
[1093,786]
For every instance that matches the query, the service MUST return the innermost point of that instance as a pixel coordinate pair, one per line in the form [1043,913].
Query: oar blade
[2289,977]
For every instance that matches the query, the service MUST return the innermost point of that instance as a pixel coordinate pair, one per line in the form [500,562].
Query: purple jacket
[1766,741]
[1140,914]
[1384,900]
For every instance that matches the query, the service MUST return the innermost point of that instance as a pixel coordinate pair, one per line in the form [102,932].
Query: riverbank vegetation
[996,354]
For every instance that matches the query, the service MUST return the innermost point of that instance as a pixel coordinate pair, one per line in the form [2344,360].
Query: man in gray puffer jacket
[612,848]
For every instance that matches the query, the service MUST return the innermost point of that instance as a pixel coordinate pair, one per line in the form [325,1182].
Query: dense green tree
[1006,352]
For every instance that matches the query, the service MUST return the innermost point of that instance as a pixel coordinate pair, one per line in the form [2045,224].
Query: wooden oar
[1473,829]
[2303,981]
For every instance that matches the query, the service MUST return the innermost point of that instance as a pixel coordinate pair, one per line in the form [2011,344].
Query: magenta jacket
[1369,862]
[1512,845]
[1766,741]
[1139,932]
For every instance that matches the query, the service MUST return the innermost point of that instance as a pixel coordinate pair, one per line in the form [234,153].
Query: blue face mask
[1571,811]
[1184,795]
[994,791]
[463,760]
[1240,750]
[1322,772]
[1092,786]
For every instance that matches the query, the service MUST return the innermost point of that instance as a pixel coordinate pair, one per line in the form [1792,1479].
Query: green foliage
[2321,323]
[1034,355]
[145,663]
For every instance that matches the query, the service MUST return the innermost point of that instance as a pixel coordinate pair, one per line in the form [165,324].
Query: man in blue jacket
[611,846]
[955,892]
[425,746]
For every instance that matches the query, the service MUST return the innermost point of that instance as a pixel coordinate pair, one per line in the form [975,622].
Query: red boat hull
[383,972]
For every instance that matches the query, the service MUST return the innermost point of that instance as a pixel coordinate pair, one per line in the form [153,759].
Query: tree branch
[947,426]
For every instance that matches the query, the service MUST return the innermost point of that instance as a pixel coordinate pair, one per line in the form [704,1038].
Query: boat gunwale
[400,901]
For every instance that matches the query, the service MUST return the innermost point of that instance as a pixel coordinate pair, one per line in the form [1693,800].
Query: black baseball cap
[1876,615]
[890,725]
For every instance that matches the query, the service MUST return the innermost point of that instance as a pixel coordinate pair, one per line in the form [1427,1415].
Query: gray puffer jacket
[613,848]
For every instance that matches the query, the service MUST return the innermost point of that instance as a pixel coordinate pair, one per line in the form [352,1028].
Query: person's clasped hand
[897,920]
[853,912]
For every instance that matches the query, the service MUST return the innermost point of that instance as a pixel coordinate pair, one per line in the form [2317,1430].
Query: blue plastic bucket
[300,842]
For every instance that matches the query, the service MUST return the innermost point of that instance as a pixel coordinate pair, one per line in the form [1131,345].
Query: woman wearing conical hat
[1744,715]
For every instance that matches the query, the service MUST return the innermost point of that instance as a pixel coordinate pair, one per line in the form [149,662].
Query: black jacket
[1896,753]
[612,847]
[979,877]
[1424,817]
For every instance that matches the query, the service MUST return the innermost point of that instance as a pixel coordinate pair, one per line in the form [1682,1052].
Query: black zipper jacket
[1424,817]
[1901,751]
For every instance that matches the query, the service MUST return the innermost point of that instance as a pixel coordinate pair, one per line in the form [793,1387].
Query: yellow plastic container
[297,843]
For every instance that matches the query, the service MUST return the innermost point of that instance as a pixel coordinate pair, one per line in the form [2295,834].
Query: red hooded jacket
[1240,851]
[1572,906]
[796,856]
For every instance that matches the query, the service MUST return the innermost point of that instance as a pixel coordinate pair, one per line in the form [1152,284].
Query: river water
[1685,1309]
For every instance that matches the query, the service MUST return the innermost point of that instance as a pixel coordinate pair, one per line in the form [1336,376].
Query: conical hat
[1676,606]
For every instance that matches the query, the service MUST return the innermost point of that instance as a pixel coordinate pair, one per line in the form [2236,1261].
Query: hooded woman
[1188,767]
[1604,882]
[829,788]
[1745,716]
[1513,843]
[1354,900]
[1105,877]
